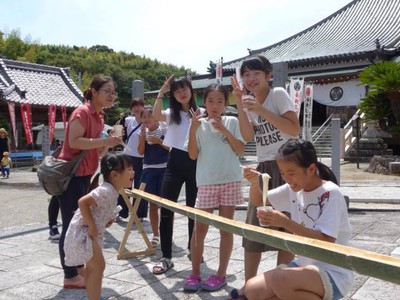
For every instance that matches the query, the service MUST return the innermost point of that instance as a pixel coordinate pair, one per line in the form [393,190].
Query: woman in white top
[132,126]
[180,167]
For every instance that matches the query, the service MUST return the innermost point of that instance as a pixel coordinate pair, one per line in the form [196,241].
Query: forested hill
[121,66]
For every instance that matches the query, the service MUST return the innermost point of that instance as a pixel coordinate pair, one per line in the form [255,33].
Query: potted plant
[383,81]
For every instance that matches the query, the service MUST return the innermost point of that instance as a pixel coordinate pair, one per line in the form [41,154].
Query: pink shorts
[214,195]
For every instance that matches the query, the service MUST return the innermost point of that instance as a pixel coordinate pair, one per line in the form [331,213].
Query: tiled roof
[37,84]
[351,32]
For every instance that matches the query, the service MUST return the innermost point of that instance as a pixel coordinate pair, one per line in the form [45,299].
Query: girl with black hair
[267,116]
[318,211]
[96,212]
[180,167]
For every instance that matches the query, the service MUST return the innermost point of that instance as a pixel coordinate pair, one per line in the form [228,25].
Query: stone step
[361,159]
[370,152]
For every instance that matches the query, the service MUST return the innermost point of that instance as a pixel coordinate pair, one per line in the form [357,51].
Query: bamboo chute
[361,261]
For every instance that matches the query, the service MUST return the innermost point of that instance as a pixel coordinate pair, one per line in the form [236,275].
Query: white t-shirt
[267,137]
[133,141]
[323,209]
[217,163]
[176,133]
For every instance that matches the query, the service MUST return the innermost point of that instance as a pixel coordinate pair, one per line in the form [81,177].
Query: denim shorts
[336,293]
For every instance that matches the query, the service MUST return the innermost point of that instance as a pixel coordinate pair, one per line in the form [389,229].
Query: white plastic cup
[118,130]
[267,207]
[247,98]
[212,128]
[148,139]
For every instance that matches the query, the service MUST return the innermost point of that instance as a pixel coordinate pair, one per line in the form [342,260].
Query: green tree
[123,67]
[14,47]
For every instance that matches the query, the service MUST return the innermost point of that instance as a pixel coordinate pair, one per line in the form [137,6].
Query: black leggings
[54,207]
[77,188]
[180,169]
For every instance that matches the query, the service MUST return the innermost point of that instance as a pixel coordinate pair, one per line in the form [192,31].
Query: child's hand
[254,106]
[217,124]
[272,218]
[109,223]
[195,123]
[151,139]
[238,91]
[250,175]
[93,232]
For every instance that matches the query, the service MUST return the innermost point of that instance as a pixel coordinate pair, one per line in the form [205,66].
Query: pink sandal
[192,283]
[213,283]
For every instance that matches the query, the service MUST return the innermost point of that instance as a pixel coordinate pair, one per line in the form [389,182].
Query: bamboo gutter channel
[361,261]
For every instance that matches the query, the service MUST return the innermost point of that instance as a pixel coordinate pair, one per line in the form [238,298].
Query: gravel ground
[349,171]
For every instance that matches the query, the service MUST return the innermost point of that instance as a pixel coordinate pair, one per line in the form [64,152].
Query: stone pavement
[30,268]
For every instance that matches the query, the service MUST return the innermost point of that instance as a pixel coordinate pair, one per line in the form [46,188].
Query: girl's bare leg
[154,219]
[286,283]
[197,244]
[94,272]
[226,241]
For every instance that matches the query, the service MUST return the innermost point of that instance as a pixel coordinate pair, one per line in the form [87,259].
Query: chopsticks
[251,170]
[192,112]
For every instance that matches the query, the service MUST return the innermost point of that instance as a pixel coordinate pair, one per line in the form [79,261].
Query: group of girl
[200,149]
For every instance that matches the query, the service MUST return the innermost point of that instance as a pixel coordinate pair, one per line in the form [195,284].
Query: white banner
[307,112]
[296,86]
[238,77]
[337,94]
[218,71]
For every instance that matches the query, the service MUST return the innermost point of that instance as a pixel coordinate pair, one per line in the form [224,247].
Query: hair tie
[109,166]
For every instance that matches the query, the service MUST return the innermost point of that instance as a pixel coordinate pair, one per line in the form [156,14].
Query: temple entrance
[319,114]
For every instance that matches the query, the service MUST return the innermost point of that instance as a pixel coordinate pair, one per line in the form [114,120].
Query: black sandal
[163,266]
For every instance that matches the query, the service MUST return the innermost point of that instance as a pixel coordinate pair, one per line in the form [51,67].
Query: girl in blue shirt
[215,141]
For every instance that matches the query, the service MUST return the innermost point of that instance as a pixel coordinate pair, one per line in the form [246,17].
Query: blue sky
[183,33]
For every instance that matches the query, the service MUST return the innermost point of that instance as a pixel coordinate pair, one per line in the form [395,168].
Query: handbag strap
[134,129]
[56,152]
[78,160]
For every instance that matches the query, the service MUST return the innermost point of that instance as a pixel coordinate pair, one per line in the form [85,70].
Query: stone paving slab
[30,265]
[30,268]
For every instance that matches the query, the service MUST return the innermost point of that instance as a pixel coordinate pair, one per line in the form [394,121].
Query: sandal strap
[193,279]
[214,280]
[155,240]
[164,264]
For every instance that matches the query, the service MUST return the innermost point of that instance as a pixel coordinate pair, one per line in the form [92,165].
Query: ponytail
[303,153]
[326,173]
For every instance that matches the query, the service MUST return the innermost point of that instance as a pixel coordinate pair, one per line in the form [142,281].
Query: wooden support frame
[134,219]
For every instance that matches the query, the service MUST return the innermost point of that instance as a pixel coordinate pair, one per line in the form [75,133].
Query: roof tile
[351,30]
[43,85]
